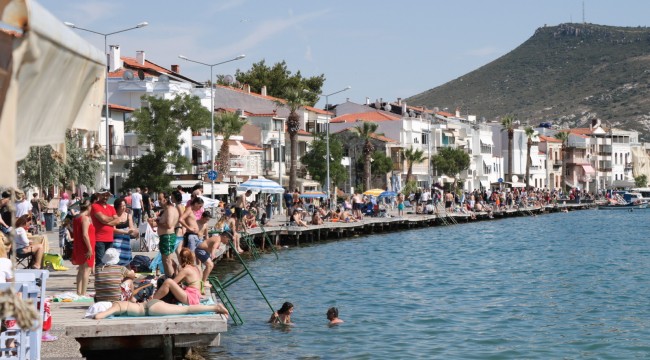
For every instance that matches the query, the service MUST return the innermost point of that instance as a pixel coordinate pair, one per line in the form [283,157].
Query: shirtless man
[188,221]
[241,204]
[166,222]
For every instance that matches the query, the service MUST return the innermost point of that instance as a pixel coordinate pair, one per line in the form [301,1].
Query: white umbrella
[261,185]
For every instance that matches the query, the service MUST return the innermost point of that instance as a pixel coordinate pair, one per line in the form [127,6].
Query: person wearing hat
[63,205]
[113,282]
[104,219]
[23,207]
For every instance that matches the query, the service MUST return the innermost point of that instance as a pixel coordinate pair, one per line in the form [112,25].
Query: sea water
[565,285]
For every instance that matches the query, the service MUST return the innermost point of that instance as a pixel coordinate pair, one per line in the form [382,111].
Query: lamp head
[348,87]
[69,24]
[142,24]
[240,57]
[182,57]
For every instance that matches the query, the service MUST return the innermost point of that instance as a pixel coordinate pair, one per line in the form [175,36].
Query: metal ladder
[268,241]
[219,287]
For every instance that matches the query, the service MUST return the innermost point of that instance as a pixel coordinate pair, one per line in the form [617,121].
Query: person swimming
[333,316]
[282,316]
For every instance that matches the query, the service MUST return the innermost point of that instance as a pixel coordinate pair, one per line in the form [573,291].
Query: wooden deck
[163,337]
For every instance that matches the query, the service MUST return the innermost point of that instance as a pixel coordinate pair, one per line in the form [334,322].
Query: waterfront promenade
[67,314]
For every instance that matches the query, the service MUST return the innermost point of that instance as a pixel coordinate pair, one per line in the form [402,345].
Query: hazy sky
[383,49]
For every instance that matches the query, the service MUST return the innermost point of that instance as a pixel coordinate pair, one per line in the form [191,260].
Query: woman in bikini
[157,308]
[282,316]
[190,274]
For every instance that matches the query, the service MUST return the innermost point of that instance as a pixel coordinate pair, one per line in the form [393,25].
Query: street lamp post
[327,140]
[211,66]
[106,35]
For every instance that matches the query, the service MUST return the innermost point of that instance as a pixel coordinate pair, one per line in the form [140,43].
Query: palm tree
[413,157]
[508,123]
[364,131]
[227,124]
[530,132]
[294,100]
[564,137]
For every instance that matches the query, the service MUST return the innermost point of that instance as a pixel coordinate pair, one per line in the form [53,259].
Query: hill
[565,74]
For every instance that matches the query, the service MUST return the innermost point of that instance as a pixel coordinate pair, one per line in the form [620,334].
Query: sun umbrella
[388,194]
[374,192]
[261,185]
[313,195]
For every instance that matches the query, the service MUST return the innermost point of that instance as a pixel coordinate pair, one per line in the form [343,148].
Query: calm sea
[558,286]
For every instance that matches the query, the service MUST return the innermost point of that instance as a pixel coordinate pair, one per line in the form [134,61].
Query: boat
[625,201]
[627,206]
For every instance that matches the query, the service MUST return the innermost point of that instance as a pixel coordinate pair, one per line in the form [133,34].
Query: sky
[382,49]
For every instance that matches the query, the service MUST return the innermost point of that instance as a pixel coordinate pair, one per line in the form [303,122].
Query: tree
[158,126]
[226,124]
[278,78]
[508,123]
[317,167]
[563,136]
[530,132]
[44,164]
[381,164]
[451,162]
[364,131]
[641,181]
[412,157]
[294,98]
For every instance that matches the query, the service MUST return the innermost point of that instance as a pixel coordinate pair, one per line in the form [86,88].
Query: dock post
[168,347]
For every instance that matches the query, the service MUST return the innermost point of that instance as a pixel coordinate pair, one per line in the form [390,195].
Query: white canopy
[51,80]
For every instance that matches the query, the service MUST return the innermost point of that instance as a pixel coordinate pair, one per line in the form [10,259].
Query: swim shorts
[202,255]
[167,244]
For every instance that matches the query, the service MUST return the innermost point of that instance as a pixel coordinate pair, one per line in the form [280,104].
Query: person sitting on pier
[250,220]
[316,219]
[113,282]
[347,217]
[157,308]
[296,218]
[207,251]
[282,316]
[191,294]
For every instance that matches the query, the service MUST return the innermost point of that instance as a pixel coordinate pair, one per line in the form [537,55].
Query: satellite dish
[387,107]
[128,75]
[140,74]
[228,79]
[411,113]
[515,178]
[163,78]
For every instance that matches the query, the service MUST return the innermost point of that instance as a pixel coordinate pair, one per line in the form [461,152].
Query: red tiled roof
[149,68]
[365,116]
[379,137]
[252,93]
[445,114]
[318,111]
[543,138]
[12,33]
[120,107]
[248,146]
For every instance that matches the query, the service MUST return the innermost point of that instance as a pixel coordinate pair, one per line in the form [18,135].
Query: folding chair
[24,260]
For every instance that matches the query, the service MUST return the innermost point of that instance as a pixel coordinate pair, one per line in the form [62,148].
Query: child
[64,233]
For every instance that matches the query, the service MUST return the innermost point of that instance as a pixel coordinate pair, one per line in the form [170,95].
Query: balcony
[123,152]
[270,167]
[604,168]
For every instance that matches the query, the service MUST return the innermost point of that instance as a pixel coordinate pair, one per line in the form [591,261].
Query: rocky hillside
[565,74]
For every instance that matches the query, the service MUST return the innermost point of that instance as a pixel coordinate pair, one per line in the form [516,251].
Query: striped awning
[261,185]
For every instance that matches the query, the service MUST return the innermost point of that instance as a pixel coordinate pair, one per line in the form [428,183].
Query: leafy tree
[227,124]
[80,165]
[563,136]
[277,78]
[641,181]
[530,133]
[365,130]
[508,123]
[381,164]
[451,162]
[412,157]
[295,98]
[158,125]
[317,167]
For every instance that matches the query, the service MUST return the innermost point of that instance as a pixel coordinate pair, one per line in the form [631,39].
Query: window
[277,125]
[425,138]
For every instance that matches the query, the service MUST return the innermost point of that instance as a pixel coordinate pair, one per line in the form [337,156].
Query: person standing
[146,204]
[166,222]
[241,204]
[137,205]
[104,218]
[36,210]
[23,207]
[269,207]
[123,232]
[63,205]
[83,251]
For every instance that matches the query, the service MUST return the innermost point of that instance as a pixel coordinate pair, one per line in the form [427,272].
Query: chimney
[457,112]
[176,69]
[403,108]
[139,56]
[247,88]
[399,101]
[367,100]
[263,92]
[114,60]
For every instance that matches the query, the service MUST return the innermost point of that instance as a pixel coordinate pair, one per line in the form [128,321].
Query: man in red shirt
[104,218]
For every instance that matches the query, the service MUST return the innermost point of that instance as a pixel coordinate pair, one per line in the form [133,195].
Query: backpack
[140,264]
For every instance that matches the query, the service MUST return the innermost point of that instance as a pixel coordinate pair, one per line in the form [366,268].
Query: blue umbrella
[313,195]
[388,194]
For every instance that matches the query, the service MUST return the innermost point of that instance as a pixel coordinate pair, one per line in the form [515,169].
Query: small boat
[628,206]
